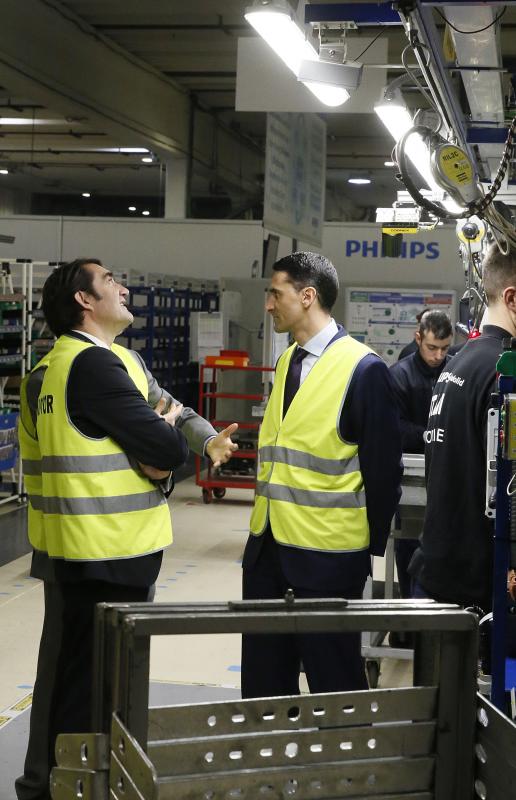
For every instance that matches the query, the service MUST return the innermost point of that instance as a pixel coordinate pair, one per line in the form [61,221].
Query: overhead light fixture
[86,194]
[346,73]
[393,112]
[276,23]
[332,78]
[147,159]
[4,172]
[359,181]
[131,208]
[30,121]
[145,213]
[389,163]
[127,150]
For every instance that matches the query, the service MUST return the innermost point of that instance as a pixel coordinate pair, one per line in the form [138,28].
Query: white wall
[216,248]
[432,257]
[200,249]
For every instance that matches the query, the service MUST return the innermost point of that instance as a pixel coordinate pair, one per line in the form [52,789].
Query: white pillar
[176,188]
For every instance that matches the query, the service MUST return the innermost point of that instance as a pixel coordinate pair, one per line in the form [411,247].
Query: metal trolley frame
[415,743]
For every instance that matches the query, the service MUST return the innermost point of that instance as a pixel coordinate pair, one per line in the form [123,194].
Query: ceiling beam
[70,68]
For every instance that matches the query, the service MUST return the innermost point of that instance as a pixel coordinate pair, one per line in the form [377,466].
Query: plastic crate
[8,440]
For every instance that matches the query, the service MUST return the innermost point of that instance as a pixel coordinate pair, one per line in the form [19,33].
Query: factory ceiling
[101,97]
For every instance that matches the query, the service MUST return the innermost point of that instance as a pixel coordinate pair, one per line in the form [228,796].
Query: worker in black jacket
[411,347]
[414,377]
[413,380]
[454,560]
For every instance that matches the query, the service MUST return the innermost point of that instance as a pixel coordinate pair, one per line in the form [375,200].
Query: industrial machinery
[446,179]
[435,154]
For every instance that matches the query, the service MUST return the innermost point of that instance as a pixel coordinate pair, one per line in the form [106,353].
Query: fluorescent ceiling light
[395,116]
[4,172]
[122,150]
[132,208]
[25,121]
[275,22]
[145,213]
[359,181]
[389,163]
[86,194]
[330,80]
[147,159]
[329,95]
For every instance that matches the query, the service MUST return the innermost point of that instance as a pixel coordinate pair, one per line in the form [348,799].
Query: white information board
[295,175]
[385,319]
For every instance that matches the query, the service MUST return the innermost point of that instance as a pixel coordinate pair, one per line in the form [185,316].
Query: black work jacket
[413,382]
[455,558]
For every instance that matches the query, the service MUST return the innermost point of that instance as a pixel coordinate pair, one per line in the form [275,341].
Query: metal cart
[240,471]
[437,740]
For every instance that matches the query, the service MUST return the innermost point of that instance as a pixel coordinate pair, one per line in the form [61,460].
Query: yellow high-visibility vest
[88,502]
[31,466]
[309,484]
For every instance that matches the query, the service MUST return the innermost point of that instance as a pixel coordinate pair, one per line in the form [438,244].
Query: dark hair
[312,269]
[498,272]
[418,316]
[62,311]
[436,321]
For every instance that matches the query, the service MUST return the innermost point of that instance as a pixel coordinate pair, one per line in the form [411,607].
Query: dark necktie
[293,377]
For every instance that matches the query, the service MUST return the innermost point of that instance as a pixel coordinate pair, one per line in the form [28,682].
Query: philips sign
[409,249]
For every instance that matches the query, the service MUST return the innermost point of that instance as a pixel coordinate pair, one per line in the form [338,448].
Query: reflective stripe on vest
[309,484]
[93,504]
[100,505]
[305,497]
[296,458]
[31,464]
[109,463]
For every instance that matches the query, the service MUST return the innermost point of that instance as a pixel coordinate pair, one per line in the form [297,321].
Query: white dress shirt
[92,338]
[316,346]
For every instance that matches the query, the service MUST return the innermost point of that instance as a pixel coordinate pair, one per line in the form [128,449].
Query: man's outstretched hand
[221,448]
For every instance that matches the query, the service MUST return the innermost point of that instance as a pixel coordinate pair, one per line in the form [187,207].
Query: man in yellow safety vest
[97,461]
[328,481]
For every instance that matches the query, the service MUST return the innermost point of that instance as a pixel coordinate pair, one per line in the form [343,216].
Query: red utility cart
[240,471]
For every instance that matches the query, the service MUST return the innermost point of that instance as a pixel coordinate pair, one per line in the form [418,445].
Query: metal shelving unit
[16,320]
[161,333]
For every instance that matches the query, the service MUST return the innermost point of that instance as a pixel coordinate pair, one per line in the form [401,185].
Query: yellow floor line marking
[15,710]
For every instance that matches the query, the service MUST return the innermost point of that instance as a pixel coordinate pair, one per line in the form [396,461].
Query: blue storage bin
[8,440]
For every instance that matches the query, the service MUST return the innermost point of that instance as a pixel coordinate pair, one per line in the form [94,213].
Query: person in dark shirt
[411,347]
[86,411]
[454,561]
[414,379]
